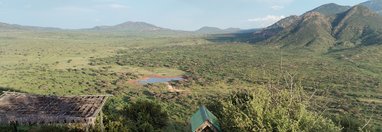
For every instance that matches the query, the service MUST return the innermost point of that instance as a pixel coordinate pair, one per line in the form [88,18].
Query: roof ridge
[204,113]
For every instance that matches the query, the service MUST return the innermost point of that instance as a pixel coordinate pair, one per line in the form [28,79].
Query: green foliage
[116,126]
[232,63]
[146,116]
[140,115]
[43,128]
[6,128]
[359,25]
[266,109]
[216,68]
[82,62]
[349,123]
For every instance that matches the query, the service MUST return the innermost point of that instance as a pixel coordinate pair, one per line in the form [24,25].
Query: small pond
[159,80]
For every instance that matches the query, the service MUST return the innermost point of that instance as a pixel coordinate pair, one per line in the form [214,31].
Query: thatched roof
[40,109]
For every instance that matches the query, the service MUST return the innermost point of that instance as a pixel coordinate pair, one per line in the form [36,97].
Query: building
[29,109]
[204,121]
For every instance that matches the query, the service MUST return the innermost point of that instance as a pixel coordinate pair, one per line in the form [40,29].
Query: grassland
[78,62]
[30,60]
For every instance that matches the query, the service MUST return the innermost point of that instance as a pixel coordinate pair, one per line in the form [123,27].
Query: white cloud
[267,20]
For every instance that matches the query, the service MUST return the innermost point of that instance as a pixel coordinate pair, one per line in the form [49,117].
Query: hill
[5,26]
[9,27]
[274,29]
[215,30]
[311,30]
[331,9]
[325,28]
[255,35]
[131,26]
[358,26]
[284,25]
[323,31]
[375,5]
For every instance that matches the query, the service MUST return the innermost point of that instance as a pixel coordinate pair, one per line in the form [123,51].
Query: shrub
[350,123]
[269,110]
[146,116]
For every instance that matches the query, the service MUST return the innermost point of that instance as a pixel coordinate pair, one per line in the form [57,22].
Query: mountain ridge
[7,26]
[331,9]
[131,26]
[215,30]
[375,5]
[322,31]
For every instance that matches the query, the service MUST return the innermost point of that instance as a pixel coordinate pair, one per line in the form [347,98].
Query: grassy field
[78,63]
[30,60]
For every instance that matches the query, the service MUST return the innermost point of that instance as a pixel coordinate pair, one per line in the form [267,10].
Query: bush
[146,116]
[42,128]
[116,126]
[269,110]
[350,123]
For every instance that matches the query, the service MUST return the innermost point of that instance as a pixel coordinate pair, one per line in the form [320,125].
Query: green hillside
[331,9]
[215,30]
[312,31]
[320,71]
[358,26]
[8,27]
[375,5]
[131,26]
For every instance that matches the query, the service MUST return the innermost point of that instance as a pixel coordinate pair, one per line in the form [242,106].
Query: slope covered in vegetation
[317,71]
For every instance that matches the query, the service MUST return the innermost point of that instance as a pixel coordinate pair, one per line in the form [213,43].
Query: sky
[173,14]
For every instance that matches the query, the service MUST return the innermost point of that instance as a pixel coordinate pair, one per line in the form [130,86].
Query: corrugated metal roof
[201,116]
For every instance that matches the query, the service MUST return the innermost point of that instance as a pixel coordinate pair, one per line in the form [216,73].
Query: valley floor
[343,83]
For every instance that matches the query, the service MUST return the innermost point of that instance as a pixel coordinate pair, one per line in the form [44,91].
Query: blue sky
[174,14]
